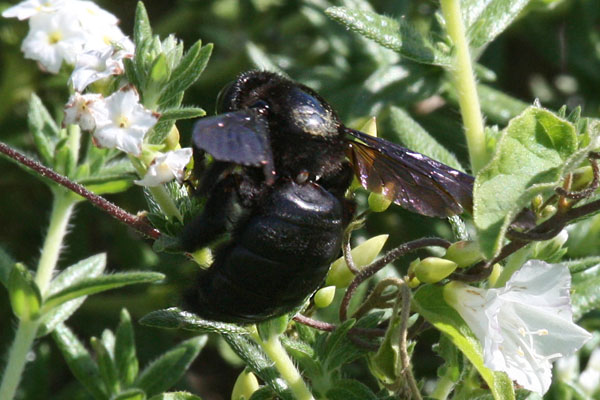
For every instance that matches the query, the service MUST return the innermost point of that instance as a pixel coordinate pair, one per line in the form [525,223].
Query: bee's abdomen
[282,253]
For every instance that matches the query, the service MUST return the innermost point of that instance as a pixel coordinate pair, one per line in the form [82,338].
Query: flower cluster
[81,34]
[524,325]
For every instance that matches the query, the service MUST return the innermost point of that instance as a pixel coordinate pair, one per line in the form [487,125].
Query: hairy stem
[284,365]
[465,84]
[136,223]
[26,331]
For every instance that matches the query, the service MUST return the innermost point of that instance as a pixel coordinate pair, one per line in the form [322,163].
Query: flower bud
[324,296]
[203,257]
[464,253]
[370,127]
[245,385]
[25,296]
[378,202]
[548,211]
[434,269]
[496,272]
[172,139]
[339,274]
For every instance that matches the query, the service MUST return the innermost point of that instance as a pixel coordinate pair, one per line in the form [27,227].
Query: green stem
[284,365]
[26,331]
[443,388]
[465,84]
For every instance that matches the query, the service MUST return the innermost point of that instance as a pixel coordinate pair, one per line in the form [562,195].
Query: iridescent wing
[409,179]
[240,137]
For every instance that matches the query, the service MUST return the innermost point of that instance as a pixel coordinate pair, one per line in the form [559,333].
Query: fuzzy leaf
[100,284]
[106,365]
[391,33]
[585,290]
[174,318]
[166,370]
[90,267]
[182,113]
[44,129]
[349,389]
[486,19]
[534,152]
[142,30]
[125,356]
[258,363]
[79,361]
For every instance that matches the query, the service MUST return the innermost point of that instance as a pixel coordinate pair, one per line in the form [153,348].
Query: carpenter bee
[281,162]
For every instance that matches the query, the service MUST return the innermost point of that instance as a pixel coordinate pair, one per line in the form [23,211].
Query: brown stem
[100,202]
[376,265]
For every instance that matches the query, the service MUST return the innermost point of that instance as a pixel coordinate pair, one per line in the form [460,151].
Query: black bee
[282,162]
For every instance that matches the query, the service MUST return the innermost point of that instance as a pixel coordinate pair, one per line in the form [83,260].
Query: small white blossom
[59,30]
[27,9]
[79,110]
[52,39]
[524,325]
[121,122]
[93,65]
[166,167]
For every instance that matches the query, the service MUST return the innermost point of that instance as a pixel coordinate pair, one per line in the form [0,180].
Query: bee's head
[290,108]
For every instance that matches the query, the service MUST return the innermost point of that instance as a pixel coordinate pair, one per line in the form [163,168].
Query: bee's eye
[224,98]
[261,105]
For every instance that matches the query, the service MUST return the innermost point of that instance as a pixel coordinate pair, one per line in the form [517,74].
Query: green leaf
[413,136]
[24,294]
[125,356]
[114,170]
[534,152]
[428,302]
[304,354]
[142,30]
[182,113]
[6,265]
[159,71]
[498,106]
[91,267]
[166,370]
[106,365]
[174,318]
[187,72]
[486,19]
[337,345]
[131,72]
[130,394]
[100,284]
[258,363]
[175,396]
[349,389]
[44,129]
[79,361]
[391,33]
[585,291]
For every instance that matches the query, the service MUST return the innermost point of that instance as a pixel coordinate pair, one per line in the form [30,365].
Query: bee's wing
[409,179]
[240,137]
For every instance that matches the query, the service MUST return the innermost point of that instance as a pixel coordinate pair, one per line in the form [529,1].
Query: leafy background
[552,52]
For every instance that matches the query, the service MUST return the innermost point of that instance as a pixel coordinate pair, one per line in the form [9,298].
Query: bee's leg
[222,211]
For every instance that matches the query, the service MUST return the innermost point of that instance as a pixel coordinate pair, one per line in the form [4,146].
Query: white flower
[524,325]
[166,167]
[27,9]
[52,38]
[93,65]
[121,122]
[78,110]
[59,29]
